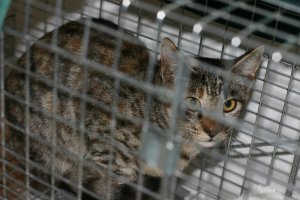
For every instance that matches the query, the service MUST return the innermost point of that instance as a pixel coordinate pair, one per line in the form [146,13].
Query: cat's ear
[168,59]
[247,64]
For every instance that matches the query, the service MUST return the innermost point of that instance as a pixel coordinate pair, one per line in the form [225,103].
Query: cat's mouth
[204,140]
[208,143]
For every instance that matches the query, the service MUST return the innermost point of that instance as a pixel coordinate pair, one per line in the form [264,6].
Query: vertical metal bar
[180,29]
[296,161]
[180,83]
[27,99]
[54,40]
[140,170]
[259,107]
[203,33]
[171,180]
[63,8]
[293,174]
[2,114]
[149,76]
[81,9]
[230,137]
[226,29]
[45,19]
[140,179]
[116,85]
[252,19]
[139,22]
[100,8]
[199,54]
[85,42]
[281,119]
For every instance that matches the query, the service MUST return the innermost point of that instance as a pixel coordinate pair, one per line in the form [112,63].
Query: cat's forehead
[206,71]
[206,80]
[213,65]
[207,84]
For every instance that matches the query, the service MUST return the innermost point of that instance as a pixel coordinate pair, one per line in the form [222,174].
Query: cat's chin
[208,144]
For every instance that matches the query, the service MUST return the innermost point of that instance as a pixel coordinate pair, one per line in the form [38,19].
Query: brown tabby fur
[64,125]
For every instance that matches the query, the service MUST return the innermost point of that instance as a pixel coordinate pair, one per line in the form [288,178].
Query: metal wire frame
[274,151]
[3,138]
[222,52]
[282,35]
[253,138]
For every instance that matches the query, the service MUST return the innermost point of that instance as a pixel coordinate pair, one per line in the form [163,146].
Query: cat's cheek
[190,115]
[228,132]
[234,115]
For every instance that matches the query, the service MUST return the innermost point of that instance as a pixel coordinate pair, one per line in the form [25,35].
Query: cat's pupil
[228,103]
[193,101]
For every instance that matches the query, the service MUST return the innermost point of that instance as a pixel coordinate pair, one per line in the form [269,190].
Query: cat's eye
[193,103]
[230,105]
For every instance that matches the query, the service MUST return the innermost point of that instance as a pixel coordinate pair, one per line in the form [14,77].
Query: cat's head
[210,94]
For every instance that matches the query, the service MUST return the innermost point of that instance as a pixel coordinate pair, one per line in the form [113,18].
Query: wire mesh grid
[264,150]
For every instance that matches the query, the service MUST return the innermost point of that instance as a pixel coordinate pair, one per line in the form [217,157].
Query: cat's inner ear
[169,58]
[247,64]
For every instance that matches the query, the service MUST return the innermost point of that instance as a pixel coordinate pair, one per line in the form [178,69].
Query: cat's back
[98,43]
[62,55]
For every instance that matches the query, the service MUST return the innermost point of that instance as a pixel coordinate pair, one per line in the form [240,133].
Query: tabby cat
[64,122]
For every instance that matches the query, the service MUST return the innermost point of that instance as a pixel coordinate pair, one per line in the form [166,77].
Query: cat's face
[208,95]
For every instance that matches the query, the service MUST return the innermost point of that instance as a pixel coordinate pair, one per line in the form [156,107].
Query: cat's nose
[210,126]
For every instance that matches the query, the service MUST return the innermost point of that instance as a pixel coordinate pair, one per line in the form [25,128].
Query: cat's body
[96,114]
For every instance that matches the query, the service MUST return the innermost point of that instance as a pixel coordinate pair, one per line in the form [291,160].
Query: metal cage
[266,149]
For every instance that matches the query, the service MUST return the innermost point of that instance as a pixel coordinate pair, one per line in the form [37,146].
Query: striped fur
[110,146]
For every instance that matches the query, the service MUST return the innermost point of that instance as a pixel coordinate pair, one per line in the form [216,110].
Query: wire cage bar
[262,150]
